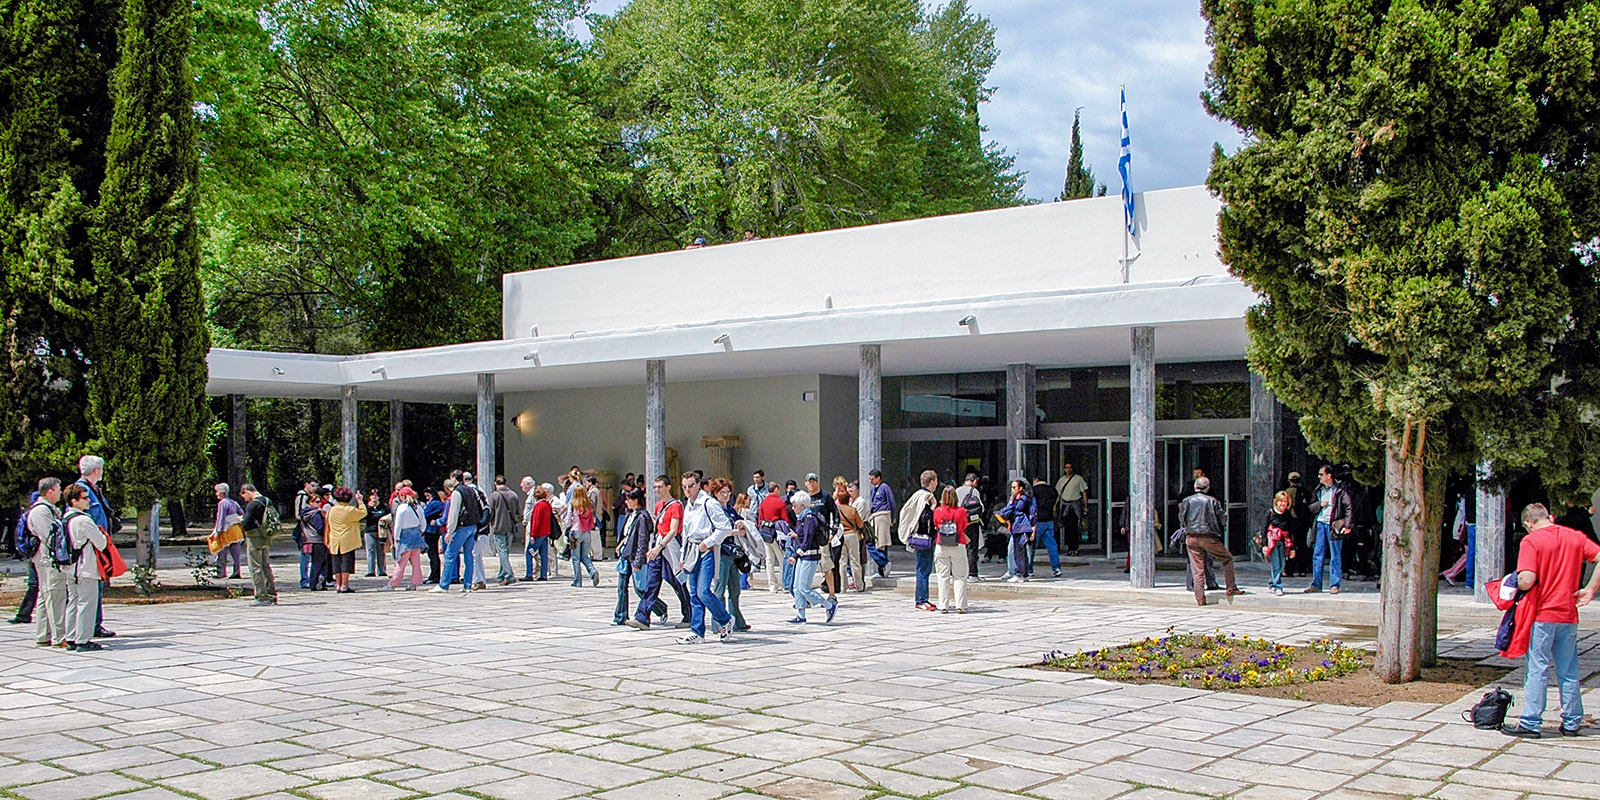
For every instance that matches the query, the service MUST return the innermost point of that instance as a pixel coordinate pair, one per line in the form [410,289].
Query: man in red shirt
[1549,569]
[664,557]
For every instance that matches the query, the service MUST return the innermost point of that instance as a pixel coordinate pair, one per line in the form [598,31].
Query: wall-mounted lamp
[725,340]
[533,356]
[575,334]
[384,371]
[534,331]
[827,301]
[277,371]
[967,320]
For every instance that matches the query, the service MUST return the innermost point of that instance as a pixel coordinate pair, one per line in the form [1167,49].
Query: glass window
[1203,390]
[961,400]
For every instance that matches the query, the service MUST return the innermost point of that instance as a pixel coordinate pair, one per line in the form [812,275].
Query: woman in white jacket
[83,576]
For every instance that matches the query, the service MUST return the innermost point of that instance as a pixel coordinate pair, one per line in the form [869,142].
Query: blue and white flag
[1122,169]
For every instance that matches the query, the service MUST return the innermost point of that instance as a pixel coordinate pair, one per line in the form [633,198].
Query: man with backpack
[971,499]
[92,473]
[50,608]
[479,543]
[260,523]
[302,499]
[1550,563]
[916,528]
[461,535]
[76,542]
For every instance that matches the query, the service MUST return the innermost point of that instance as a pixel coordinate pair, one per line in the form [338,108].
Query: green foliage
[1416,205]
[1080,179]
[788,116]
[372,169]
[147,404]
[54,61]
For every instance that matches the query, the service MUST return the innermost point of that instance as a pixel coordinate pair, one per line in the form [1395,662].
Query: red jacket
[539,520]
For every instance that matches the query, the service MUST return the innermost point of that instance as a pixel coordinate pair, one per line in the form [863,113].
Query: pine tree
[1080,179]
[147,400]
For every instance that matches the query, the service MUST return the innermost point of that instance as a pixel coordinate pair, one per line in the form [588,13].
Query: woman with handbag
[852,525]
[633,546]
[579,539]
[734,550]
[1019,516]
[407,521]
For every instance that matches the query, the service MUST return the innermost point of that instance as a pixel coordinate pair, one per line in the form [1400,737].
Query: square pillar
[348,436]
[1020,404]
[236,441]
[486,455]
[655,421]
[397,449]
[1142,459]
[1266,453]
[869,403]
[1490,562]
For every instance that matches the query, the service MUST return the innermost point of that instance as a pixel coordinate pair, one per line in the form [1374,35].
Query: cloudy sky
[1056,55]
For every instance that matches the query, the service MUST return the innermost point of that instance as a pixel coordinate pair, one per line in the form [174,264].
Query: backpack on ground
[1489,713]
[62,553]
[471,512]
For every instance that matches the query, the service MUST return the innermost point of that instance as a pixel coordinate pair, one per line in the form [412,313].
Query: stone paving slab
[529,692]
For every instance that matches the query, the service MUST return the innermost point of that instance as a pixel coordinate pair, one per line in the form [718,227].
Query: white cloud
[1056,55]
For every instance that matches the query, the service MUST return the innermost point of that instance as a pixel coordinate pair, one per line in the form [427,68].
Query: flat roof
[1042,283]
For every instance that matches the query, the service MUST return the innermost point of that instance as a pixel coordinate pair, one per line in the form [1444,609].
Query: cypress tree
[54,114]
[147,390]
[1080,179]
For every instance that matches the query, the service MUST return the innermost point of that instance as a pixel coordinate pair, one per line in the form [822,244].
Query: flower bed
[1212,661]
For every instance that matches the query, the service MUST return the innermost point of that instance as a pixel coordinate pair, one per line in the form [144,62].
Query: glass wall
[1204,390]
[963,400]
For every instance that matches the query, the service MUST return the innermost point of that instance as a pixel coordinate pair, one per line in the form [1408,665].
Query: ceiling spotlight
[967,320]
[277,371]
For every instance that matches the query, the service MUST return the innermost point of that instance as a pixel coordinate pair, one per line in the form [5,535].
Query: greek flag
[1122,169]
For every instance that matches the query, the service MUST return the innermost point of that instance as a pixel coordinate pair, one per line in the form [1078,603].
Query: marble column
[348,436]
[719,455]
[655,421]
[1491,537]
[1142,458]
[397,441]
[486,455]
[236,441]
[1266,454]
[869,404]
[1021,423]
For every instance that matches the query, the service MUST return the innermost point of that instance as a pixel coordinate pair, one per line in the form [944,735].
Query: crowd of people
[65,535]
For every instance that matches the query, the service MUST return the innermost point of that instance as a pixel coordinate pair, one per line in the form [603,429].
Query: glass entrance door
[1088,459]
[1220,460]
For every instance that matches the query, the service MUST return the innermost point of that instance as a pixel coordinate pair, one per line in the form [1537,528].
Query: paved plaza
[529,692]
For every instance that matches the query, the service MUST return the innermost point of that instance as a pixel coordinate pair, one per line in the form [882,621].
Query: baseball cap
[811,476]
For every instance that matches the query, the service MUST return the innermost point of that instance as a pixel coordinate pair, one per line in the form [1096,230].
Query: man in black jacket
[1202,518]
[1331,511]
[259,540]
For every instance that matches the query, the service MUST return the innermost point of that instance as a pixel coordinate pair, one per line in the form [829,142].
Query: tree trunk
[1433,541]
[180,521]
[143,552]
[1401,608]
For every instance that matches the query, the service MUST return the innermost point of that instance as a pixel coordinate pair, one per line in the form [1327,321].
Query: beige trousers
[950,567]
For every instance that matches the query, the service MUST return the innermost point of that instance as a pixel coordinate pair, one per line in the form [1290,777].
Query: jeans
[1320,551]
[502,546]
[540,547]
[924,569]
[789,569]
[1021,562]
[375,555]
[30,598]
[728,590]
[1277,559]
[805,596]
[775,566]
[458,552]
[579,550]
[701,598]
[321,566]
[1552,644]
[1046,532]
[655,573]
[624,586]
[432,540]
[305,569]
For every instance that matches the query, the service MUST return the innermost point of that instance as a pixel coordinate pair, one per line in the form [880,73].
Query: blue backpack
[27,543]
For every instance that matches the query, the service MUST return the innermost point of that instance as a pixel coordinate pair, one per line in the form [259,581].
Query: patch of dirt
[1445,683]
[126,596]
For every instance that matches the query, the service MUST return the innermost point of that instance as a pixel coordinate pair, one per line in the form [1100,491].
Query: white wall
[1052,246]
[546,432]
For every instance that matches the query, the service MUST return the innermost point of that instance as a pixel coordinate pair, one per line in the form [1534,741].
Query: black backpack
[471,512]
[1490,712]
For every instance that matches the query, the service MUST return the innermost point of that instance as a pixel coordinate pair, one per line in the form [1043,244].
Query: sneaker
[479,585]
[596,578]
[1520,732]
[72,647]
[19,621]
[86,646]
[944,611]
[437,589]
[102,633]
[466,590]
[260,603]
[1009,578]
[928,607]
[690,639]
[725,632]
[1023,579]
[961,611]
[797,621]
[833,608]
[1277,591]
[1334,590]
[1566,731]
[636,624]
[411,587]
[1236,592]
[385,588]
[1057,573]
[1310,590]
[975,578]
[369,575]
[683,624]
